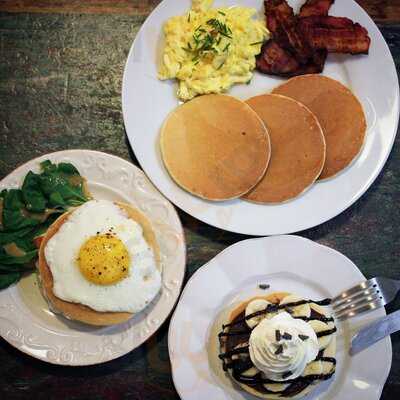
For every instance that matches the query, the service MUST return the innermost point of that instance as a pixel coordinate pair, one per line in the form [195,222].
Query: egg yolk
[104,259]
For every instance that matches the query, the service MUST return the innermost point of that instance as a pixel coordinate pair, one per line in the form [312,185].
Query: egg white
[131,294]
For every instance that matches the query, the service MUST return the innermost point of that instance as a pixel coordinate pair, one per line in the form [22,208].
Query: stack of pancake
[269,149]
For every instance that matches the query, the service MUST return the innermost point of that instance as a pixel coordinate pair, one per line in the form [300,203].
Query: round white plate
[25,319]
[146,102]
[288,263]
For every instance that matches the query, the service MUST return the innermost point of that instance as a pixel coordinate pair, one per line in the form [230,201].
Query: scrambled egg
[210,49]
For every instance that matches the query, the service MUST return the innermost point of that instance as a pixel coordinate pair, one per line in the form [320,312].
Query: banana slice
[254,306]
[319,326]
[330,351]
[320,310]
[250,372]
[298,311]
[276,387]
[313,368]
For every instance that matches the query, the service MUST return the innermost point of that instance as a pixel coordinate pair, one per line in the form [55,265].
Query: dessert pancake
[77,311]
[298,149]
[215,147]
[339,113]
[251,358]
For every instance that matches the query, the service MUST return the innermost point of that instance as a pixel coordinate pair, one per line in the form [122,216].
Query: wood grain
[382,11]
[123,7]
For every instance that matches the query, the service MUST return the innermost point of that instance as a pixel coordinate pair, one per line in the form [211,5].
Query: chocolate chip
[279,350]
[287,336]
[286,374]
[263,286]
[303,337]
[277,335]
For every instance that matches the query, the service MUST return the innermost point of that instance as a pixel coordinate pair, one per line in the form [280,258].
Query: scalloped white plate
[288,263]
[146,102]
[25,319]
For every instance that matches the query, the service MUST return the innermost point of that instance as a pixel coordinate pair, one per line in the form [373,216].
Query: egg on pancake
[101,258]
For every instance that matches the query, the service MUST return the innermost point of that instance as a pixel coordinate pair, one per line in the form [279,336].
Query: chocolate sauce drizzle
[238,329]
[276,307]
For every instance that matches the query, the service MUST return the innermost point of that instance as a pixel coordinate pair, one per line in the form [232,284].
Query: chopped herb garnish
[277,335]
[286,336]
[303,337]
[221,65]
[256,43]
[188,19]
[279,350]
[226,47]
[222,13]
[287,374]
[206,40]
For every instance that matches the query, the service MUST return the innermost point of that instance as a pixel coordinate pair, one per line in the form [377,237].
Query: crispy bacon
[335,34]
[315,7]
[275,60]
[300,44]
[282,22]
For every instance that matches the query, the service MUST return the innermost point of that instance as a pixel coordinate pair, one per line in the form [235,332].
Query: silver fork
[367,296]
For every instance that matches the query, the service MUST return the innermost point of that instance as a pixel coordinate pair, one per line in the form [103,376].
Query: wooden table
[61,64]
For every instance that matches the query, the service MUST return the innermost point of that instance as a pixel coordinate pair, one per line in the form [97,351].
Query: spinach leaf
[15,220]
[8,279]
[9,237]
[28,212]
[32,194]
[13,200]
[6,259]
[7,269]
[67,168]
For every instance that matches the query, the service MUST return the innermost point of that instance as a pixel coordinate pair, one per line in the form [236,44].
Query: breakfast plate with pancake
[265,330]
[200,72]
[93,258]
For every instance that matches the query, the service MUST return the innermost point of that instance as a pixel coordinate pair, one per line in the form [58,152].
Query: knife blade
[375,332]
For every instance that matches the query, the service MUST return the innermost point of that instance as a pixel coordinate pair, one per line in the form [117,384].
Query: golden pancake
[298,149]
[339,113]
[215,147]
[80,312]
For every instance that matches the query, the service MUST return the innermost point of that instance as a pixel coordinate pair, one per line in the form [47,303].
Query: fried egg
[100,258]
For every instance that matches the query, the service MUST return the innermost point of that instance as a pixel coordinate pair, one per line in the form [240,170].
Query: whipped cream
[277,354]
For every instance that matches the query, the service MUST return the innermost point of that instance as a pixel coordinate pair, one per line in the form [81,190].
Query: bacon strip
[282,23]
[275,60]
[300,44]
[335,34]
[315,7]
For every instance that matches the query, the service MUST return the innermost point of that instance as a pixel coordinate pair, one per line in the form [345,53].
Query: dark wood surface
[61,64]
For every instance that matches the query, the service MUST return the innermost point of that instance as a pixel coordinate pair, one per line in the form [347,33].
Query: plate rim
[261,239]
[24,349]
[212,221]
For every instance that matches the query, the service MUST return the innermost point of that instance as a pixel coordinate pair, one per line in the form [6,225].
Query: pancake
[299,392]
[215,147]
[80,312]
[298,149]
[339,113]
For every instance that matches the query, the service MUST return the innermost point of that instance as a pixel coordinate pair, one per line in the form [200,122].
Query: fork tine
[363,307]
[354,303]
[356,297]
[354,290]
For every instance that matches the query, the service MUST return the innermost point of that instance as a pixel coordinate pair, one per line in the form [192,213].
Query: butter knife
[375,332]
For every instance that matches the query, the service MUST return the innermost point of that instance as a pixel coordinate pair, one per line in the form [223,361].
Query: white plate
[147,101]
[25,319]
[288,263]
